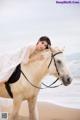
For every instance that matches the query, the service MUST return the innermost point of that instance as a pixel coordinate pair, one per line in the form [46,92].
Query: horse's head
[58,67]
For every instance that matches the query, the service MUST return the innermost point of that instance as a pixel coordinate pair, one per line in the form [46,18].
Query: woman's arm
[29,50]
[27,53]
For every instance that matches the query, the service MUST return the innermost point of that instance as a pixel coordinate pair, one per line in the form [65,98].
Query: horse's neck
[35,71]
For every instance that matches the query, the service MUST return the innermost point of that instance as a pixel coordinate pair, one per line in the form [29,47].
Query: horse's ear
[53,49]
[62,49]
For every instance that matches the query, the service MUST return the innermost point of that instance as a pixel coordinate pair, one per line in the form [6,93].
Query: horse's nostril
[66,80]
[69,80]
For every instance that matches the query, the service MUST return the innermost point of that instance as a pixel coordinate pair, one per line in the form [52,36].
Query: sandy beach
[47,111]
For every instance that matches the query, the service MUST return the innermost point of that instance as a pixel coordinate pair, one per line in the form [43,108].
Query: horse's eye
[58,61]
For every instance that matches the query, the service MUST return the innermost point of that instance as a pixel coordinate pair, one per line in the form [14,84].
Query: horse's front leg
[33,110]
[16,106]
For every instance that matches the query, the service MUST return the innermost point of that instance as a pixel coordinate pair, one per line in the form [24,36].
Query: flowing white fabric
[8,62]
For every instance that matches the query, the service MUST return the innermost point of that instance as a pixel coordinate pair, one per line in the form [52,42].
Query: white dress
[8,62]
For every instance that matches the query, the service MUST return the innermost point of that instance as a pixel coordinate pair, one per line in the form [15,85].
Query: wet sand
[47,111]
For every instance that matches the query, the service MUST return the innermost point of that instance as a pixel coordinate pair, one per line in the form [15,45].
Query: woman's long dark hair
[46,39]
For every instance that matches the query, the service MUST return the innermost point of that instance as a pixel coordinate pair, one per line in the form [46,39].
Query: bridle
[53,58]
[47,86]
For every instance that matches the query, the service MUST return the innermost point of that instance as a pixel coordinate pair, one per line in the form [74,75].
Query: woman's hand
[35,58]
[40,57]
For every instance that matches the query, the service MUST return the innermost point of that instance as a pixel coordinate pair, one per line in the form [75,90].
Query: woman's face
[41,45]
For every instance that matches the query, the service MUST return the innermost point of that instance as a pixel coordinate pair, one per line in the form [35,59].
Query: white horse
[29,83]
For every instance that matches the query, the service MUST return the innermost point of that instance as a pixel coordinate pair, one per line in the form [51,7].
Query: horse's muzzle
[66,80]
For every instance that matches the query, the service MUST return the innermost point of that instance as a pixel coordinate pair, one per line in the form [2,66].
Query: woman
[42,44]
[23,56]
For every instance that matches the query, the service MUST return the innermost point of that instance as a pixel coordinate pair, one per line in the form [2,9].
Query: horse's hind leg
[16,106]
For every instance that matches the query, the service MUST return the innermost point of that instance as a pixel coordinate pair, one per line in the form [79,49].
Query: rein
[47,86]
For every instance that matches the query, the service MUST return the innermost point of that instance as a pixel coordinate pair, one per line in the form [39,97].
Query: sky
[25,21]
